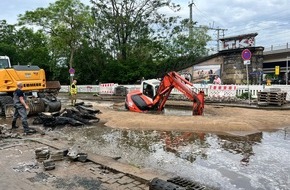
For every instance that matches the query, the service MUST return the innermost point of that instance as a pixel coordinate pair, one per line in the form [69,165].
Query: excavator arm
[174,80]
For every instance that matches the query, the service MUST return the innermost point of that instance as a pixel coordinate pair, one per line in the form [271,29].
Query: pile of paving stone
[48,158]
[78,115]
[42,154]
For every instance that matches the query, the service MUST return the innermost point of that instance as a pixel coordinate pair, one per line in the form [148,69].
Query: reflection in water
[185,145]
[286,133]
[175,142]
[242,145]
[210,159]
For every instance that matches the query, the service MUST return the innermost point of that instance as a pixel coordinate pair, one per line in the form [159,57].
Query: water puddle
[176,111]
[255,161]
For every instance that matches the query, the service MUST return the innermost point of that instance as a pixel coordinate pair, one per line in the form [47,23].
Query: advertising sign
[205,73]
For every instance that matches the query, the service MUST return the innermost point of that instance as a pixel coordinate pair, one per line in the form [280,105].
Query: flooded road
[257,161]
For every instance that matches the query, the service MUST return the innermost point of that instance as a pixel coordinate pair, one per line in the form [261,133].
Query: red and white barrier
[222,91]
[107,88]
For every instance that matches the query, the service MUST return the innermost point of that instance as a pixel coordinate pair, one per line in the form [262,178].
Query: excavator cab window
[148,90]
[4,63]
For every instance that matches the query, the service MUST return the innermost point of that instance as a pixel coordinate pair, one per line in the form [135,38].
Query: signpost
[246,56]
[72,73]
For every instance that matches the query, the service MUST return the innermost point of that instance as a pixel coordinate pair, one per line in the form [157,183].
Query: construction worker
[20,109]
[73,92]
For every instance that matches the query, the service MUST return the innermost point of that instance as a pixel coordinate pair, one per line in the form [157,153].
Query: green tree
[66,22]
[127,23]
[184,44]
[131,38]
[139,36]
[33,47]
[24,46]
[91,64]
[127,30]
[7,37]
[183,49]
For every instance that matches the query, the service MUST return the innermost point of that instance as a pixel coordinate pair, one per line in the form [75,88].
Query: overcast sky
[269,18]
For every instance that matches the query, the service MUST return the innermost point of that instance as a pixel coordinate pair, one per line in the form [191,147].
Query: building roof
[239,36]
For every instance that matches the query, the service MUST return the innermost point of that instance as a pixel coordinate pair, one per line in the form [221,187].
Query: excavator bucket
[53,86]
[198,106]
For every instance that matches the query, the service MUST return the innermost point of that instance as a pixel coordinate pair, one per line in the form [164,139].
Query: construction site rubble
[6,132]
[48,158]
[79,115]
[49,164]
[42,154]
[75,153]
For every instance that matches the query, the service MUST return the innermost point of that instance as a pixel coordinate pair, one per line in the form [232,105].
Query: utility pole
[210,28]
[218,35]
[190,19]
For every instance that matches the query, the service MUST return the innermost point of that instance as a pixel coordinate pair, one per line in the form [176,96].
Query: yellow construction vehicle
[41,94]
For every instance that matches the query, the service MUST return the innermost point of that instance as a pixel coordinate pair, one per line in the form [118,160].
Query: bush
[244,96]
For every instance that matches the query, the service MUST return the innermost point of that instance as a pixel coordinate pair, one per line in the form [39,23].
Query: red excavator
[154,94]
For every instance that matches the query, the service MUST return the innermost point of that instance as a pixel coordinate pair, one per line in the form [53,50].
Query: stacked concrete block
[57,155]
[42,153]
[49,164]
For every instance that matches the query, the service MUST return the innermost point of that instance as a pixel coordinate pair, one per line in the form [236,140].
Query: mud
[217,119]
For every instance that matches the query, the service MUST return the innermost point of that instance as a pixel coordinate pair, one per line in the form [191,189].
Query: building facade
[229,64]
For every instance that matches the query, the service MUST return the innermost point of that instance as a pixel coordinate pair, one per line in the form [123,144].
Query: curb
[143,175]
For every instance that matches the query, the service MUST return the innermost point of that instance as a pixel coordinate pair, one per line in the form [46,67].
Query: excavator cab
[154,94]
[150,87]
[141,100]
[4,62]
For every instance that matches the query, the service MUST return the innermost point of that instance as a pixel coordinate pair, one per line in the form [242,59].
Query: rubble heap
[76,116]
[48,158]
[6,132]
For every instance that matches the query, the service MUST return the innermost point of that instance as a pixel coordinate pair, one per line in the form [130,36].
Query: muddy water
[253,162]
[256,161]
